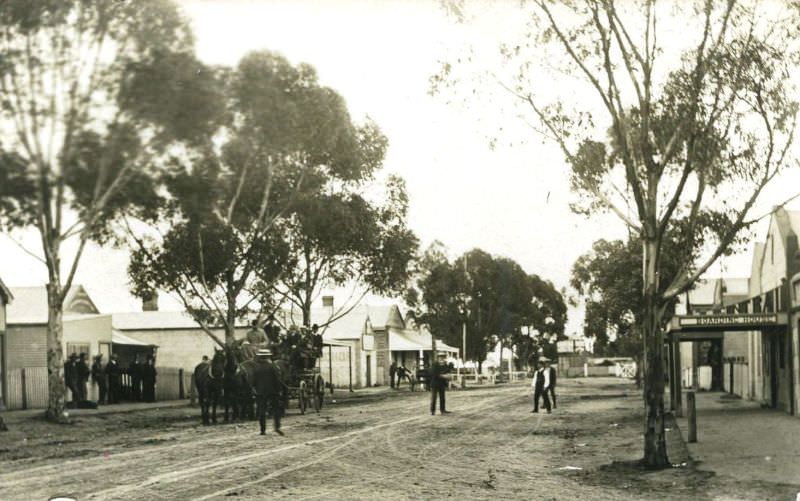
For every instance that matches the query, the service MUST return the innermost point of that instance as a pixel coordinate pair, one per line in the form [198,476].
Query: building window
[77,348]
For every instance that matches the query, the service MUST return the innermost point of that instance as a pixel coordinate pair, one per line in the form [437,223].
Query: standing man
[401,373]
[551,371]
[71,376]
[99,378]
[541,385]
[440,375]
[135,372]
[268,389]
[114,373]
[392,372]
[149,380]
[82,369]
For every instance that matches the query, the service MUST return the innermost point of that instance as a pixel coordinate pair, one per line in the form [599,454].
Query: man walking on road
[541,385]
[551,371]
[440,375]
[267,387]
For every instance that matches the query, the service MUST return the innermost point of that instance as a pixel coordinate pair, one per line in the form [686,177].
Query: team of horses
[228,380]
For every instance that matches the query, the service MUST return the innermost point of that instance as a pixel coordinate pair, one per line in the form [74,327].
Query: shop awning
[415,341]
[119,338]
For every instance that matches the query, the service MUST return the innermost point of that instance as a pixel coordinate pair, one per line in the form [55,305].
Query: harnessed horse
[208,379]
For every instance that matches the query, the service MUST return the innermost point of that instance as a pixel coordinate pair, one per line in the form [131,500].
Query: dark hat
[73,356]
[264,352]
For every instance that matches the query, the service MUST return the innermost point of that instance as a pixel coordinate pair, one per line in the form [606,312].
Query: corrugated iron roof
[156,320]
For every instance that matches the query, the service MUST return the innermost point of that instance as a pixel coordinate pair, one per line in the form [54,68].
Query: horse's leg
[214,402]
[226,403]
[203,407]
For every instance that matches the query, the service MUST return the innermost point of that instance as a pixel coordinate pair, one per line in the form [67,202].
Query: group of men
[299,345]
[544,385]
[108,378]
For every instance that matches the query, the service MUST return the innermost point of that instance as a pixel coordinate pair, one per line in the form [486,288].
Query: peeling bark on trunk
[55,356]
[655,445]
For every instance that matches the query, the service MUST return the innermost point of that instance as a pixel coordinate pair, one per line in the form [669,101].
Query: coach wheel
[302,395]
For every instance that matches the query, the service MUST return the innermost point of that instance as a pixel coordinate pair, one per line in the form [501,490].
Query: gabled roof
[350,325]
[5,293]
[755,269]
[703,292]
[30,304]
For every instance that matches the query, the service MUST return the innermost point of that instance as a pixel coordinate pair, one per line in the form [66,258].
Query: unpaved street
[383,447]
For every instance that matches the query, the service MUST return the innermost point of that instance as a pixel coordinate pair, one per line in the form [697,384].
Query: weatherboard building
[742,335]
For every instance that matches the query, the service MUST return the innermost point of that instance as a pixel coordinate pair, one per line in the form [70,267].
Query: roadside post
[692,417]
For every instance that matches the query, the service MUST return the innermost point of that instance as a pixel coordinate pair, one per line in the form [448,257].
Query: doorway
[369,370]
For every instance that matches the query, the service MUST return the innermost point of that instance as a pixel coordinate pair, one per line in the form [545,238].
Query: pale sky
[379,55]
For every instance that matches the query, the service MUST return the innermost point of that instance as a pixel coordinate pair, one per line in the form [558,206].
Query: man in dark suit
[71,376]
[99,378]
[440,376]
[135,372]
[149,380]
[82,370]
[268,389]
[114,373]
[541,386]
[552,373]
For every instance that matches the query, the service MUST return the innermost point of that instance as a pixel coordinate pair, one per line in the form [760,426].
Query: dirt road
[382,448]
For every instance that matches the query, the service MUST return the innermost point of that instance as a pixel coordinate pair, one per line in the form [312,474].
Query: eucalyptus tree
[92,93]
[338,237]
[230,216]
[686,111]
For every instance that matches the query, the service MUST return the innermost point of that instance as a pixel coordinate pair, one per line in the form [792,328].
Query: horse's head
[232,358]
[218,363]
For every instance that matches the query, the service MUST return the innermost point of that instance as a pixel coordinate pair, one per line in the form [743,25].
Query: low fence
[27,387]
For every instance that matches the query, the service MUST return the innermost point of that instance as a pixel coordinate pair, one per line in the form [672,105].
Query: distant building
[576,345]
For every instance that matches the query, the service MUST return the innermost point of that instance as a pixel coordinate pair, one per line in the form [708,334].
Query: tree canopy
[238,204]
[493,296]
[83,120]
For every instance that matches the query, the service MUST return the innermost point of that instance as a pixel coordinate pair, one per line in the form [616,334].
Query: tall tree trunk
[655,445]
[230,313]
[55,355]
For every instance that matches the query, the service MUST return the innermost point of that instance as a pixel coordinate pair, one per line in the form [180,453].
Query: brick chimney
[150,302]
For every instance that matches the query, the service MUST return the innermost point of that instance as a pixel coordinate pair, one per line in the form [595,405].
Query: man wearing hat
[551,371]
[541,385]
[83,376]
[268,388]
[114,373]
[71,376]
[440,375]
[99,378]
